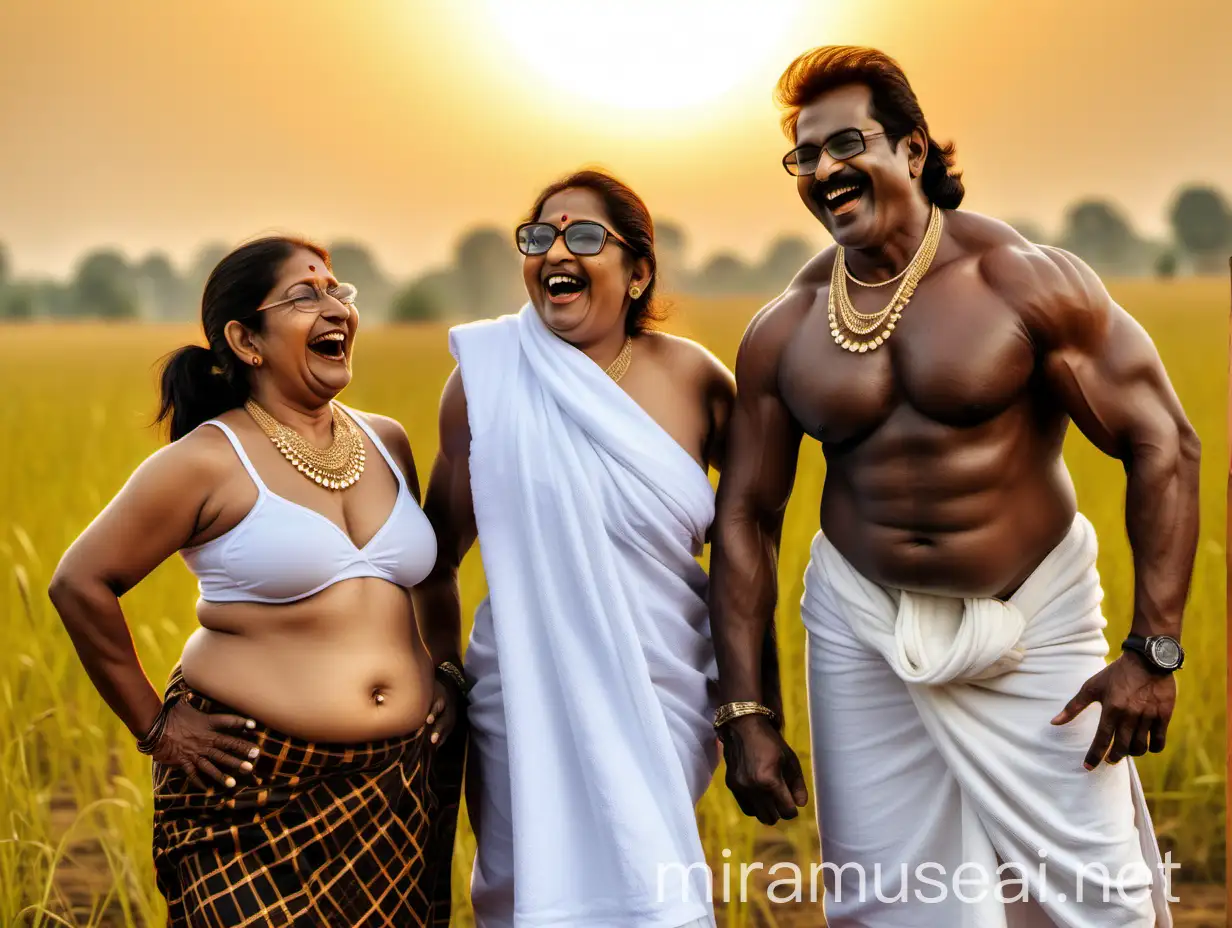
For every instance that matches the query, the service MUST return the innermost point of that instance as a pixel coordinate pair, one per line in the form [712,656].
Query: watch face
[1165,652]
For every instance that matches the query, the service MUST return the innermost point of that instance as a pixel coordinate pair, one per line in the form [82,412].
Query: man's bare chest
[957,358]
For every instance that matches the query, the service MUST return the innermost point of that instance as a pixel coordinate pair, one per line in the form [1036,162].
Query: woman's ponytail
[194,388]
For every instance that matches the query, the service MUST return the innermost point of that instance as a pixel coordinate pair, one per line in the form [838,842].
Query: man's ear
[917,152]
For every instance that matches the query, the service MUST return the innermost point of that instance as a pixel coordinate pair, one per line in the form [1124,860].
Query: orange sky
[161,124]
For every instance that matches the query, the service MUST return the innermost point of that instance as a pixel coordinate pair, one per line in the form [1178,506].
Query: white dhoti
[592,708]
[944,795]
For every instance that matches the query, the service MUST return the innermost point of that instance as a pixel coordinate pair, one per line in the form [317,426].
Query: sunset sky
[164,124]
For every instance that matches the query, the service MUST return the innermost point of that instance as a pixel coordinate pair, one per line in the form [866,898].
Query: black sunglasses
[840,146]
[584,238]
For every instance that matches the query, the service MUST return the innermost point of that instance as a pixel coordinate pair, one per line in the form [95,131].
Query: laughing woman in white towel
[576,444]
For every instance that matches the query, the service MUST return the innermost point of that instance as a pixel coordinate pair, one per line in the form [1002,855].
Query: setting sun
[644,54]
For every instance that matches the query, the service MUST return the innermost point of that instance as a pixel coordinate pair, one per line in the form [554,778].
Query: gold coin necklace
[617,368]
[849,327]
[334,468]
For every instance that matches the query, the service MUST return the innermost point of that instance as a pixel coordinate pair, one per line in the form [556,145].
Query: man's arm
[763,444]
[449,509]
[1104,368]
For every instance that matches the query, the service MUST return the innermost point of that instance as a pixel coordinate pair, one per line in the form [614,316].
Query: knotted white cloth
[933,753]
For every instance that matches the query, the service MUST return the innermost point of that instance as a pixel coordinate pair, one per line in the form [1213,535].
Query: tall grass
[75,794]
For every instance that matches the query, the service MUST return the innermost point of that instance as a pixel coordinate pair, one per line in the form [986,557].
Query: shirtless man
[951,547]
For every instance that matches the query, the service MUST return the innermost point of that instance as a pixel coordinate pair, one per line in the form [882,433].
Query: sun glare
[644,54]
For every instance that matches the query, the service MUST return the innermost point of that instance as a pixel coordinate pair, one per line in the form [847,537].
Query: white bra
[281,551]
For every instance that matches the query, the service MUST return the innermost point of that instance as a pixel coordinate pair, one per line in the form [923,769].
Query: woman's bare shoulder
[206,451]
[393,436]
[693,363]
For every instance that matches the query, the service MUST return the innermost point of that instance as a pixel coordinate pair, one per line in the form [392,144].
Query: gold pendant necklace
[336,467]
[617,368]
[849,326]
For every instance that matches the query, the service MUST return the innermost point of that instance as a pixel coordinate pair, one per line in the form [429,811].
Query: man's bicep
[1113,384]
[447,502]
[763,455]
[764,438]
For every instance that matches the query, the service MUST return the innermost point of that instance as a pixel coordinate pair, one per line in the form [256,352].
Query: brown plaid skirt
[317,834]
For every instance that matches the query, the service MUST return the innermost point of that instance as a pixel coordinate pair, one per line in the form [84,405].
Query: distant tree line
[484,277]
[1099,232]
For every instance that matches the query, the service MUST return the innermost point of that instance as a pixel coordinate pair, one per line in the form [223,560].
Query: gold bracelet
[734,710]
[451,670]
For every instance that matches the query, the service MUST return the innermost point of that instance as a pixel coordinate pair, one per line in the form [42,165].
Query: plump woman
[576,443]
[300,776]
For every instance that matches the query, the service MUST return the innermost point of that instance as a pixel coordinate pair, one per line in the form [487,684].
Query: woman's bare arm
[157,512]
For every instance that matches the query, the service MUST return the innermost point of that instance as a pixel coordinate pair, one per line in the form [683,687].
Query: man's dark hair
[894,106]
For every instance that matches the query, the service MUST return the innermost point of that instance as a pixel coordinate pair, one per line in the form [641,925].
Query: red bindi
[312,267]
[563,217]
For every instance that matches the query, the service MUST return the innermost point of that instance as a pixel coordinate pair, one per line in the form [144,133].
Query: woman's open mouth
[564,288]
[329,345]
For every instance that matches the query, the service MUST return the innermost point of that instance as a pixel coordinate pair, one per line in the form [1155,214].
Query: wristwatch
[1162,653]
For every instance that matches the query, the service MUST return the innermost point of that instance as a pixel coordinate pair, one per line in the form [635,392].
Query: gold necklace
[881,283]
[847,323]
[617,368]
[336,467]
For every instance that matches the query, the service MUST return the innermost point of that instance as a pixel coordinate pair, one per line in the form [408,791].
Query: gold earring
[256,362]
[635,291]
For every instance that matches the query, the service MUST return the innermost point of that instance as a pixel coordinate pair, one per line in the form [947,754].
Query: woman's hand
[198,743]
[444,712]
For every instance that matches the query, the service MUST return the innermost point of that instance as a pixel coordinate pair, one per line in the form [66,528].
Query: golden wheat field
[74,792]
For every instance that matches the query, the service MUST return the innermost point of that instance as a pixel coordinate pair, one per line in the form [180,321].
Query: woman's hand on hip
[200,743]
[444,712]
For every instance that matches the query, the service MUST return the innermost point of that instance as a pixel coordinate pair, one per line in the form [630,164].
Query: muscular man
[952,603]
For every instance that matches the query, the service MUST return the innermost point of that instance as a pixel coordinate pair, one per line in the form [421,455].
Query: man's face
[859,198]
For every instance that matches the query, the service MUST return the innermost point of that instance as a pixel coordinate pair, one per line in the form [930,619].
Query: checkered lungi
[317,834]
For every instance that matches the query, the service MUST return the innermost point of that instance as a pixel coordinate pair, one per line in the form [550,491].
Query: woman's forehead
[572,204]
[304,263]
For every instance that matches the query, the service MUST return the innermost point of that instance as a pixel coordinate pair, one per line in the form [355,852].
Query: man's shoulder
[778,319]
[774,326]
[1047,286]
[1015,266]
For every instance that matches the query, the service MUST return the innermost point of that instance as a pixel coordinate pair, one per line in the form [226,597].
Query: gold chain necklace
[847,323]
[336,467]
[617,368]
[881,283]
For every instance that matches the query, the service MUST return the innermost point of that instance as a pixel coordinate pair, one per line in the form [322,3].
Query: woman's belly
[345,665]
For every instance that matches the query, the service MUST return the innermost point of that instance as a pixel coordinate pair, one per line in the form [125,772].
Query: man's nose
[827,167]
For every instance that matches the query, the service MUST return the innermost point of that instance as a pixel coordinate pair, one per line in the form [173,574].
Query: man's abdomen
[972,519]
